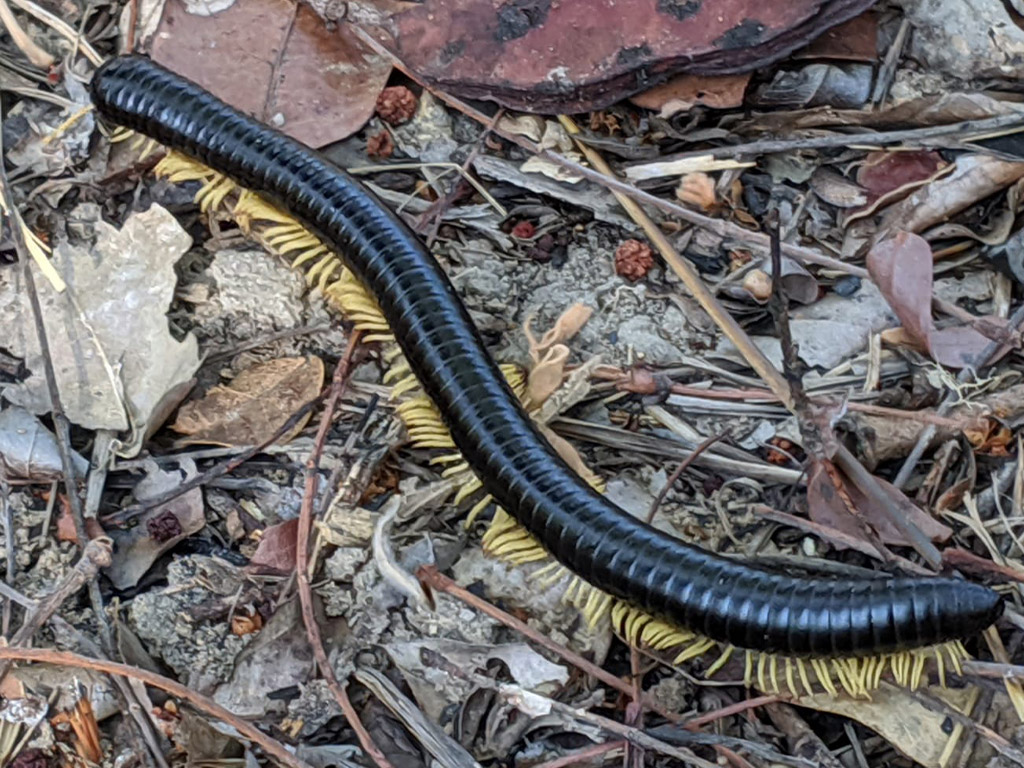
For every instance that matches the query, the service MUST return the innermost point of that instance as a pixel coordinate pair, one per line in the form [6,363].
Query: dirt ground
[285,576]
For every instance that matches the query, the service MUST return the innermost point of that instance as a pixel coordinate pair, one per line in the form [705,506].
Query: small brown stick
[36,55]
[582,755]
[444,203]
[434,579]
[269,745]
[804,742]
[218,470]
[918,136]
[338,383]
[678,472]
[729,711]
[62,426]
[96,555]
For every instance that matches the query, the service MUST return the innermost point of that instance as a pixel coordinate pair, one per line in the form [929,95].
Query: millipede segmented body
[732,602]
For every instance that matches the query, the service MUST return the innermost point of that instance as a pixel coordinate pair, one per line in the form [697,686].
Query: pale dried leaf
[257,403]
[135,549]
[697,189]
[546,376]
[897,715]
[28,450]
[566,326]
[107,378]
[974,178]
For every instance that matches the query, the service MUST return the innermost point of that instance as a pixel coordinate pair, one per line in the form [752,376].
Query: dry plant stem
[693,282]
[62,28]
[583,755]
[908,137]
[434,579]
[218,470]
[8,517]
[678,473]
[96,555]
[271,746]
[36,55]
[62,427]
[341,373]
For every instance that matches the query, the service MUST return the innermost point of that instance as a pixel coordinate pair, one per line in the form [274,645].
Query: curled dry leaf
[973,178]
[684,92]
[566,326]
[697,189]
[901,266]
[827,506]
[28,450]
[255,405]
[136,549]
[886,177]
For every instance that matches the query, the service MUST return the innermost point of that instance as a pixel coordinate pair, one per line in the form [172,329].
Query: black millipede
[738,604]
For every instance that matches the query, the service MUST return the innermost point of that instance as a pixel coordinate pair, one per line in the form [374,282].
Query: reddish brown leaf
[277,61]
[276,550]
[982,567]
[539,56]
[826,506]
[687,91]
[902,268]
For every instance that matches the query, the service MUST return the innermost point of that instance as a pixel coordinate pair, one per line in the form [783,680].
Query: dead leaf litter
[192,361]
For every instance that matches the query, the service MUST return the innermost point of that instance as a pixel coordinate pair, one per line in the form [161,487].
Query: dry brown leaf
[697,189]
[827,507]
[687,91]
[902,267]
[277,61]
[255,405]
[973,178]
[566,326]
[277,548]
[896,714]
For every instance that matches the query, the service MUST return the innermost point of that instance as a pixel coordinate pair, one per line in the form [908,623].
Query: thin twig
[218,470]
[269,745]
[95,555]
[36,55]
[583,755]
[8,517]
[62,426]
[677,473]
[908,137]
[338,383]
